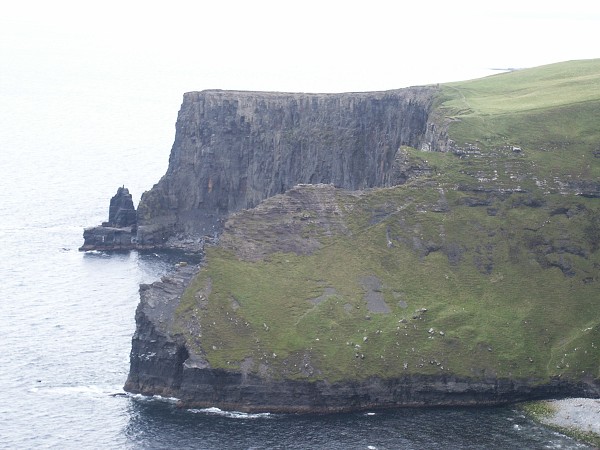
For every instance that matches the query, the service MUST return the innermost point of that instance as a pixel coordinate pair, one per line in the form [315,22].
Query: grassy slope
[550,111]
[512,285]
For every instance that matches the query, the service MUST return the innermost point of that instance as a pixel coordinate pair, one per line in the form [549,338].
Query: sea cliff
[425,246]
[234,149]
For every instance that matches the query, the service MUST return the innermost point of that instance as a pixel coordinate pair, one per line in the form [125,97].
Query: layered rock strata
[233,149]
[157,356]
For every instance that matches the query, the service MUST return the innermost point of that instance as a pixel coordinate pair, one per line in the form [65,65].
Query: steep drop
[233,149]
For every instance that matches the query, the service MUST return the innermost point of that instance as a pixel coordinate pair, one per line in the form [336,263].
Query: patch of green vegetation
[539,410]
[550,112]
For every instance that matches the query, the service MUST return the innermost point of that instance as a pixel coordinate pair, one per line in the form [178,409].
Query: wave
[153,398]
[230,414]
[96,253]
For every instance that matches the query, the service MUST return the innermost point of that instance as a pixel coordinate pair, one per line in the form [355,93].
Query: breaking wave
[230,414]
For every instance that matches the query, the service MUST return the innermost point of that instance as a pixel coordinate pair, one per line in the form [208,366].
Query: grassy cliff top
[550,112]
[487,267]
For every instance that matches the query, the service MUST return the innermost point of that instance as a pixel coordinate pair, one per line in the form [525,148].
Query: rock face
[120,230]
[234,149]
[157,357]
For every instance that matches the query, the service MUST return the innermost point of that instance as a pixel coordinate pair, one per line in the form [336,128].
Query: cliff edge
[234,149]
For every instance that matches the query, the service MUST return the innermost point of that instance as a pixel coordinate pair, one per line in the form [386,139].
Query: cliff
[234,149]
[427,246]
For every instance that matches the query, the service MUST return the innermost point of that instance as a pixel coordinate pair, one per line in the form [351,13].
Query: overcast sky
[319,46]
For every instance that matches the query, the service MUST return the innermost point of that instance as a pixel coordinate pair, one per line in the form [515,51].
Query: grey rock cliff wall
[233,149]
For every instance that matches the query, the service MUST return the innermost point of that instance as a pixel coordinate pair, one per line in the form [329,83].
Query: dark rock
[454,252]
[587,189]
[119,233]
[474,201]
[108,238]
[157,357]
[121,212]
[234,149]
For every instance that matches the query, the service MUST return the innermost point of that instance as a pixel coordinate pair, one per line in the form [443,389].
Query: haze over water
[88,102]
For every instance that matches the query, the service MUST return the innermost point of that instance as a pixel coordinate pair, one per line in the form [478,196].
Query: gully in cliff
[120,230]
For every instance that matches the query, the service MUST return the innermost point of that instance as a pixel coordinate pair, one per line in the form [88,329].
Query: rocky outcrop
[119,232]
[157,356]
[233,149]
[295,220]
[121,212]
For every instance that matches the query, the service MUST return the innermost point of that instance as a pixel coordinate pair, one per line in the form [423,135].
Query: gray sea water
[66,317]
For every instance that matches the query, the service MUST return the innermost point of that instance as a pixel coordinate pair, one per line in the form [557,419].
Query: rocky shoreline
[576,417]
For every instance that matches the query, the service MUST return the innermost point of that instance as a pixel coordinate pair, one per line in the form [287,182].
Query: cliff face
[234,149]
[156,356]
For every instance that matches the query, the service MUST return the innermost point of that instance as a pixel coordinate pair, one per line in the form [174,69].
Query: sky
[309,46]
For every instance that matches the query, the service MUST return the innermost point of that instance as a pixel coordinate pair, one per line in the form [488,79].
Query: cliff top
[275,94]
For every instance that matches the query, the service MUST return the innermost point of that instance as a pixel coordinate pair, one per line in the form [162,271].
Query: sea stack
[118,233]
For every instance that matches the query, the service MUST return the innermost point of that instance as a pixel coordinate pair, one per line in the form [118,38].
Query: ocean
[68,140]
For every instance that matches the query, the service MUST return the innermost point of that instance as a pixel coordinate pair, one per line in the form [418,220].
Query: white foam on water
[153,398]
[97,253]
[230,414]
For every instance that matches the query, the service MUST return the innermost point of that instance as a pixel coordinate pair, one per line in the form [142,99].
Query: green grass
[551,112]
[539,410]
